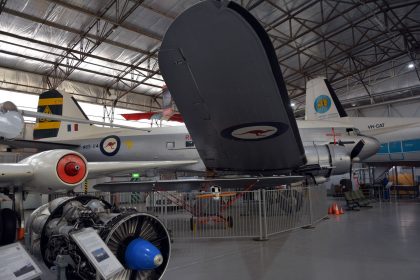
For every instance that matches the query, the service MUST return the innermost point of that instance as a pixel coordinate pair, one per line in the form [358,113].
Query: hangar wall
[405,108]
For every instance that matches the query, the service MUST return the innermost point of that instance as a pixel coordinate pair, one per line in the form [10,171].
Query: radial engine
[139,241]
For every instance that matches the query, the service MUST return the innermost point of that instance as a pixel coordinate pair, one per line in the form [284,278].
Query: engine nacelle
[331,159]
[55,170]
[11,121]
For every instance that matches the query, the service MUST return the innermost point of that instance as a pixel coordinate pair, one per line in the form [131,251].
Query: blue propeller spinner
[142,255]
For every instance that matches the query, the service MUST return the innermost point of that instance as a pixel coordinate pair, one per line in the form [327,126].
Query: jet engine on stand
[139,241]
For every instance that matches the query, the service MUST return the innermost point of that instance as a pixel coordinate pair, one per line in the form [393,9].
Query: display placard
[95,249]
[16,264]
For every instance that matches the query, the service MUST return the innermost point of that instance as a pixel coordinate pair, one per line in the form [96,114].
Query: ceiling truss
[355,44]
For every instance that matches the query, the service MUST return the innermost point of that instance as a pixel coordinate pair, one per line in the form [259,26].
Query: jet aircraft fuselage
[175,143]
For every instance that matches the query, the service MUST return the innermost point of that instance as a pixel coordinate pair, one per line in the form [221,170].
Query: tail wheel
[8,223]
[144,226]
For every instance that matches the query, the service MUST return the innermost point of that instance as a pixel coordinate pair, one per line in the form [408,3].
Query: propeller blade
[357,149]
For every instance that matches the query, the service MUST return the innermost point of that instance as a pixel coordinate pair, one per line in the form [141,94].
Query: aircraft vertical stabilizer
[61,104]
[321,101]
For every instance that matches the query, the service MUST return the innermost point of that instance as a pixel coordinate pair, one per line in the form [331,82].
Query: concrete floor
[378,243]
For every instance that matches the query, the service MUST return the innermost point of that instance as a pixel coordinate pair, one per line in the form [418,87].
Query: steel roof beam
[72,30]
[43,43]
[103,31]
[80,69]
[137,30]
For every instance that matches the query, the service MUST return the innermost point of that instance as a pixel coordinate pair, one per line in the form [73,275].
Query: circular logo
[110,145]
[255,131]
[322,104]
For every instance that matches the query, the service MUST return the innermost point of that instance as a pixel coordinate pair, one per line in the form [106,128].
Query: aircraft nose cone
[142,255]
[371,147]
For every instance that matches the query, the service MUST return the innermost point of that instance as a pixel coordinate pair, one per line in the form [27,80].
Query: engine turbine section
[56,170]
[139,241]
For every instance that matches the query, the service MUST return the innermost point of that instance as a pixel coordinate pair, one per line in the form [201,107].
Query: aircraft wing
[100,169]
[222,71]
[56,170]
[39,145]
[191,184]
[15,173]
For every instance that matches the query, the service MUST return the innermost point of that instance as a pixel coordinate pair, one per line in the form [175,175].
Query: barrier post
[311,219]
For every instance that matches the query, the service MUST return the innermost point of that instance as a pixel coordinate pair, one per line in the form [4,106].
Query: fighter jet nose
[369,148]
[142,255]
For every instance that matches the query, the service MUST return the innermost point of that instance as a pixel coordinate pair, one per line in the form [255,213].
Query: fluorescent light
[292,104]
[411,65]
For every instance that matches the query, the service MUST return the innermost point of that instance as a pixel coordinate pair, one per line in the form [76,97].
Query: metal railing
[252,214]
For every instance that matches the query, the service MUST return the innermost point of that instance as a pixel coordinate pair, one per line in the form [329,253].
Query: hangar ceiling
[106,51]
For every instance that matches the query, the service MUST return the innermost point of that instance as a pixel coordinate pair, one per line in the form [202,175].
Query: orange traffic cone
[336,210]
[330,210]
[341,210]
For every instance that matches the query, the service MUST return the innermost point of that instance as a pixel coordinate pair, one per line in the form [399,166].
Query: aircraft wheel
[8,220]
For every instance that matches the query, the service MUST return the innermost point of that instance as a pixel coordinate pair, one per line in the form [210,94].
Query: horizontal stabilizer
[38,145]
[195,184]
[222,71]
[69,119]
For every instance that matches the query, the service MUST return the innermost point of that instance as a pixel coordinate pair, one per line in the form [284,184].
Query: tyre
[8,219]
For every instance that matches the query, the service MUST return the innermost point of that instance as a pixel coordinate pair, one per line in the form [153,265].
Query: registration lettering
[376,125]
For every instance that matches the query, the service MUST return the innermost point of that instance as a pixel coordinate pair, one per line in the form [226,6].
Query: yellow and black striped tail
[50,102]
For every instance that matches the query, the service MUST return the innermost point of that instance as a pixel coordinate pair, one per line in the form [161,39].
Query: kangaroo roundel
[110,145]
[255,131]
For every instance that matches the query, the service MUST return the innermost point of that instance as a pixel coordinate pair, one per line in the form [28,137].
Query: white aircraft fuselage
[175,143]
[399,137]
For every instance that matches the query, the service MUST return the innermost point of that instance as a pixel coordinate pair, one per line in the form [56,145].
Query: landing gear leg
[8,223]
[19,197]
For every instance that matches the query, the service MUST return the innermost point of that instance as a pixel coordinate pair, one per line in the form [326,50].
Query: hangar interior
[106,53]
